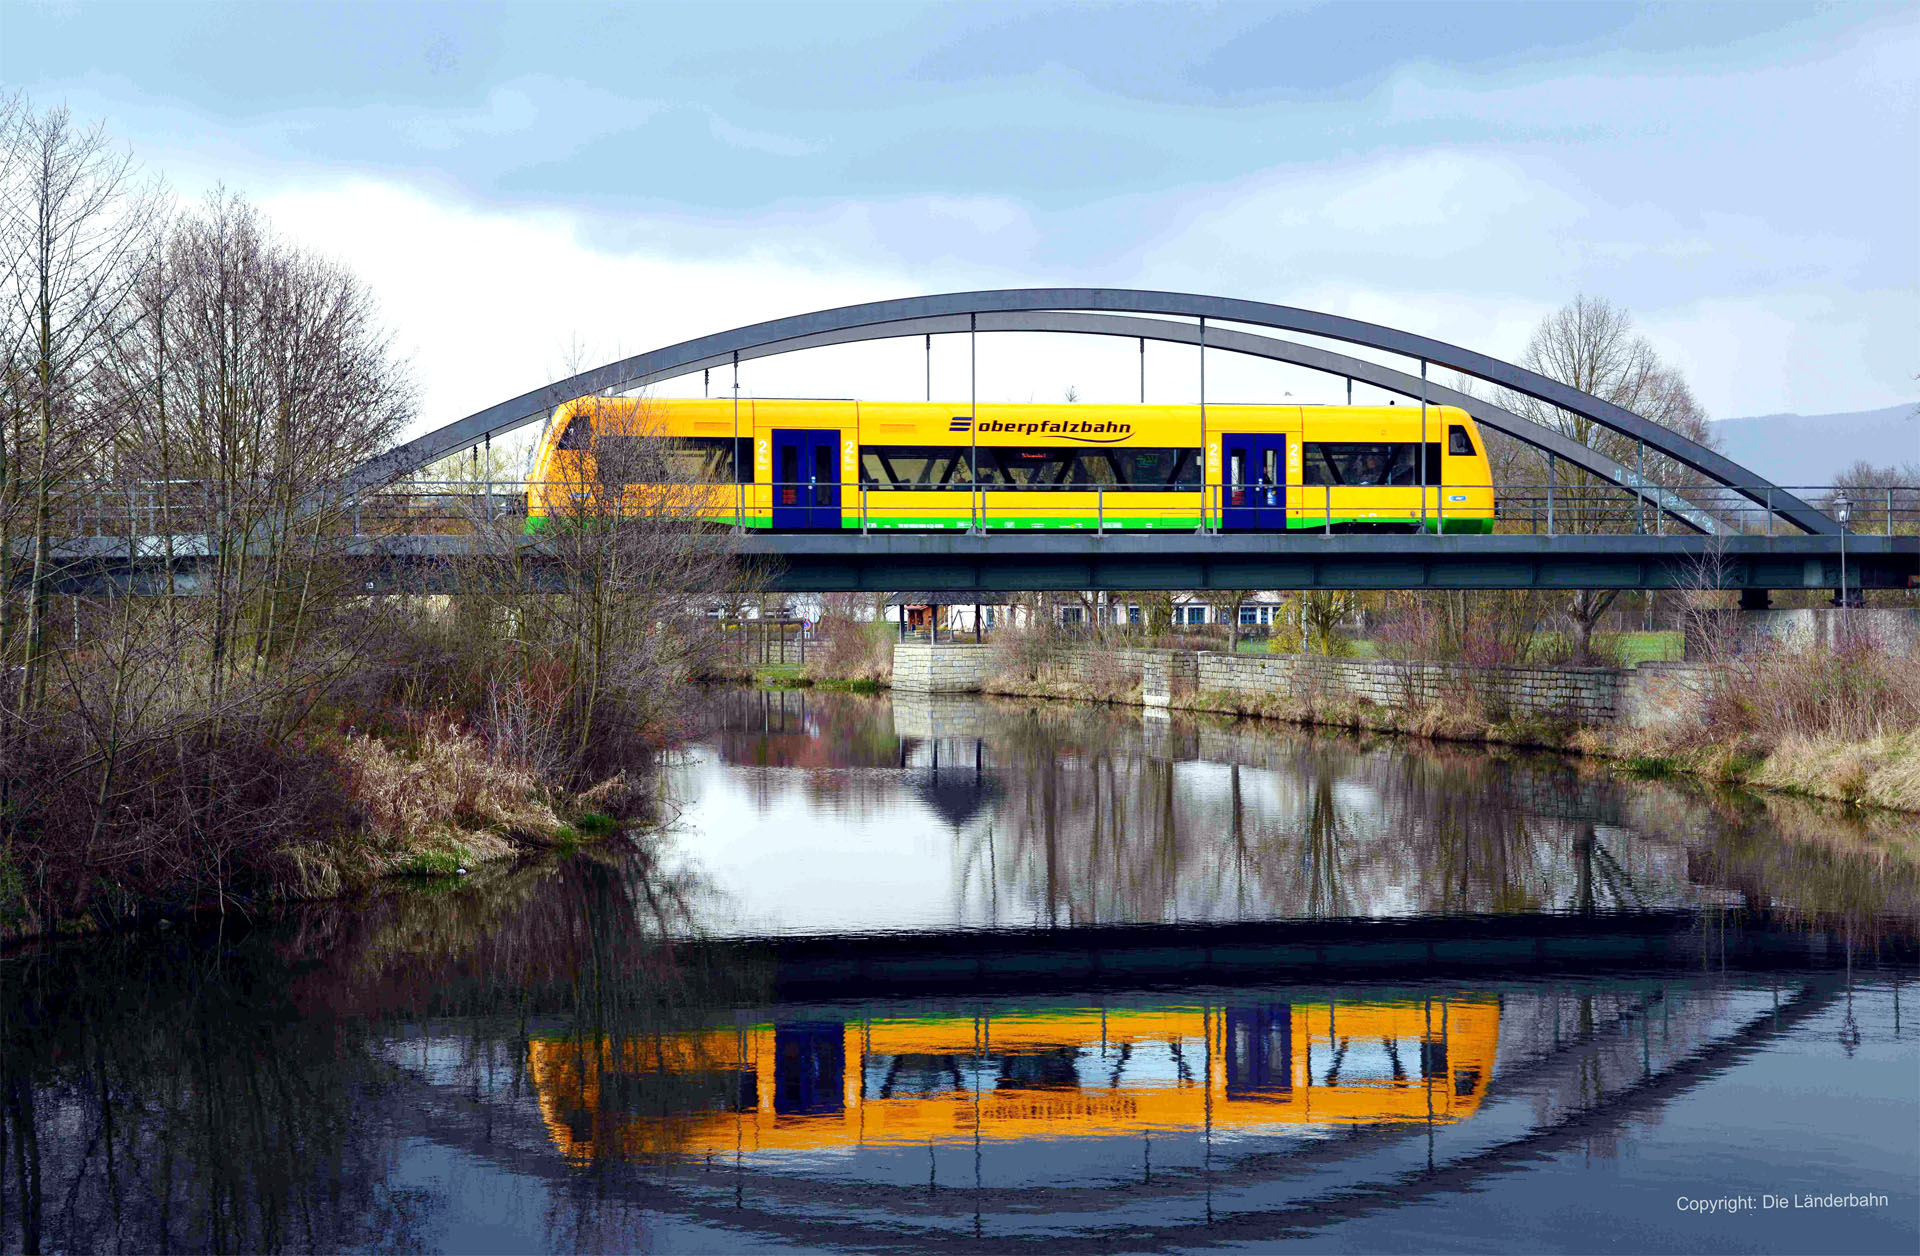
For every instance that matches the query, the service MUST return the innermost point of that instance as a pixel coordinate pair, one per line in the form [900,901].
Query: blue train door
[1260,1051]
[1253,474]
[809,1068]
[806,480]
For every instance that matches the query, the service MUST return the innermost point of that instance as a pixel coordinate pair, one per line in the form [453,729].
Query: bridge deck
[1002,562]
[958,562]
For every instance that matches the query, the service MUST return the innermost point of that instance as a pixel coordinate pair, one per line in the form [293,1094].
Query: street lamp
[1842,508]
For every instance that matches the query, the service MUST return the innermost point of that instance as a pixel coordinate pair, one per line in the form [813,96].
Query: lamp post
[1842,508]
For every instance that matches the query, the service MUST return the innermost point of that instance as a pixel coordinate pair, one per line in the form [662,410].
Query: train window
[939,466]
[577,434]
[1367,464]
[1173,468]
[710,460]
[913,466]
[1459,443]
[1126,469]
[1030,468]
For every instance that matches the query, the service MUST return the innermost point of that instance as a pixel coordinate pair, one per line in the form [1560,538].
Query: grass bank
[1838,725]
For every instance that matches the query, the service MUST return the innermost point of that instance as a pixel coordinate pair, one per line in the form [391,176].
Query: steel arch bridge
[1145,315]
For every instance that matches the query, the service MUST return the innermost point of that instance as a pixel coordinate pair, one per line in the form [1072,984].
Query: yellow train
[814,1086]
[792,465]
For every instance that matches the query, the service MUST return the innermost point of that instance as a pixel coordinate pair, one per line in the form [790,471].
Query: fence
[767,642]
[1553,508]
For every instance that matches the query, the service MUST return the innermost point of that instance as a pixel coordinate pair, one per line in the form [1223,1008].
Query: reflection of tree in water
[1319,862]
[169,1097]
[237,1096]
[1077,814]
[1097,826]
[838,752]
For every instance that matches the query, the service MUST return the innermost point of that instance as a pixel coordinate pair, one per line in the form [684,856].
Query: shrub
[451,781]
[1856,694]
[852,650]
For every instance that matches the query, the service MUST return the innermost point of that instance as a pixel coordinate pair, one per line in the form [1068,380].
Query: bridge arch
[1086,310]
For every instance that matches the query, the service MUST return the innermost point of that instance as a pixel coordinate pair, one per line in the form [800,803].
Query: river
[941,974]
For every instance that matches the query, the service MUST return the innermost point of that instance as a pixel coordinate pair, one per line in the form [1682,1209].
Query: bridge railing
[468,507]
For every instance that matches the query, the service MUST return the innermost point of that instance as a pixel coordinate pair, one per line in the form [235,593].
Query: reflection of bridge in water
[1248,1114]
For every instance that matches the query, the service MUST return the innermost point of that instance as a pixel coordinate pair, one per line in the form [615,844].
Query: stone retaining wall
[1582,695]
[1650,695]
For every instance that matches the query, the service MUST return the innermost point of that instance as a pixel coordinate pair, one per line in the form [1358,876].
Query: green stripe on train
[1190,523]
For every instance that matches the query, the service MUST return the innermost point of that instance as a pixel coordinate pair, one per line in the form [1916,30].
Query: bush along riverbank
[1840,724]
[425,762]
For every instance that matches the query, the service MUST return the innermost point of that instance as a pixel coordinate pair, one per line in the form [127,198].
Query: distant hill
[1816,448]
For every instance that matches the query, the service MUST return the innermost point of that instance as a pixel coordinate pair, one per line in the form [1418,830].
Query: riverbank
[1841,727]
[1881,771]
[431,805]
[329,813]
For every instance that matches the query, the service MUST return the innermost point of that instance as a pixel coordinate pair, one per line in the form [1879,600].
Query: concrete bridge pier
[1895,629]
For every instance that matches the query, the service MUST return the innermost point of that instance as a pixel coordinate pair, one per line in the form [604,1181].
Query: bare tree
[228,380]
[1230,601]
[73,216]
[1591,344]
[1885,499]
[630,558]
[254,375]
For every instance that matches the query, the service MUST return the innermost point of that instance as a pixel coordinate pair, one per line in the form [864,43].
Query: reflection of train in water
[1080,1073]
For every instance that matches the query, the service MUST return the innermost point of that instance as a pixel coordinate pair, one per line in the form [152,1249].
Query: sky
[533,187]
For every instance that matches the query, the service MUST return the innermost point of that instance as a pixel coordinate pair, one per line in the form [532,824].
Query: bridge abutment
[947,667]
[1894,629]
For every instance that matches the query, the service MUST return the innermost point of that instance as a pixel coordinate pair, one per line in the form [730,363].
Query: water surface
[1249,988]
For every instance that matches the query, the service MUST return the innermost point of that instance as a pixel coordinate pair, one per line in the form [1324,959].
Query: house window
[1249,614]
[1196,614]
[1070,614]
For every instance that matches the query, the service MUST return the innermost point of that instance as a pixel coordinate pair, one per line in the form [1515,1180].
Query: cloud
[1751,203]
[488,302]
[509,110]
[1474,246]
